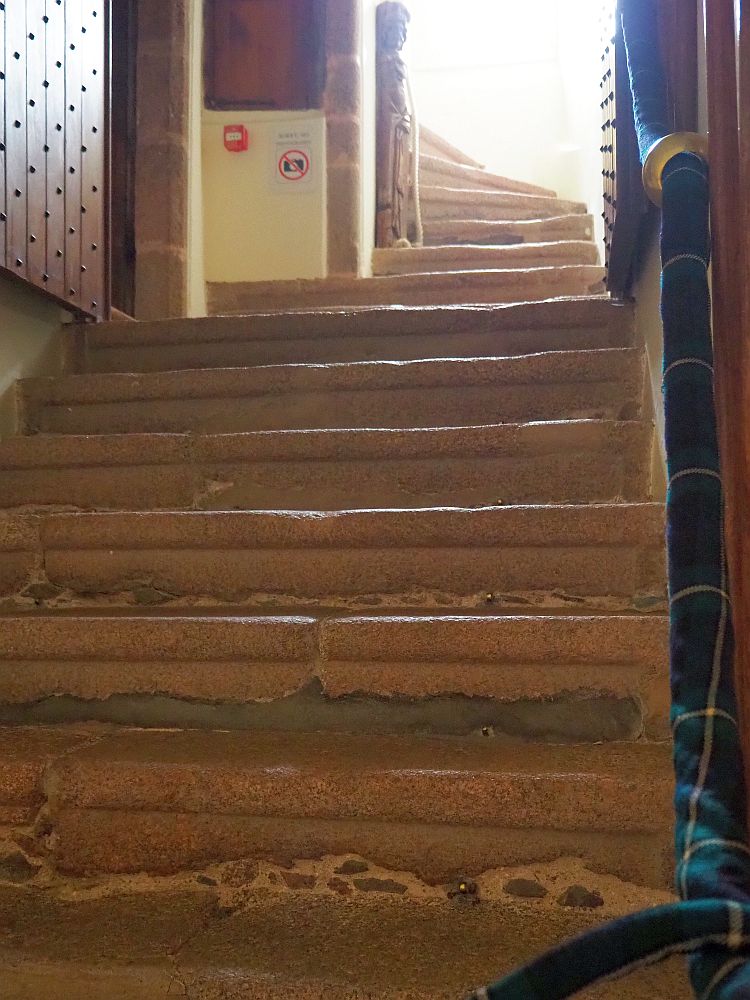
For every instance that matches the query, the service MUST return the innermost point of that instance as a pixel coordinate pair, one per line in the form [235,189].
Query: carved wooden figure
[394,125]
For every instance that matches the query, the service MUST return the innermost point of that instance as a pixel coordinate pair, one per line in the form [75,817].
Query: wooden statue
[394,125]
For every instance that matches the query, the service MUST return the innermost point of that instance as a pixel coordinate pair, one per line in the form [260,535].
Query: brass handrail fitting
[662,151]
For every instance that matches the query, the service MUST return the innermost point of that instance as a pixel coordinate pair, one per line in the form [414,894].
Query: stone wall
[343,108]
[162,159]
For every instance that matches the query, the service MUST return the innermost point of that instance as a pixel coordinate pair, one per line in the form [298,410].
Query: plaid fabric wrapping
[712,923]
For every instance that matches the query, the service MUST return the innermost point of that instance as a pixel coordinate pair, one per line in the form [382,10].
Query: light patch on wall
[482,32]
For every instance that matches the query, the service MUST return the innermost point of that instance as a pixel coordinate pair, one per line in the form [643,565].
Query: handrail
[712,922]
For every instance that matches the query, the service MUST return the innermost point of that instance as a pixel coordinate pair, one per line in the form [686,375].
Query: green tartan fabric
[713,861]
[712,921]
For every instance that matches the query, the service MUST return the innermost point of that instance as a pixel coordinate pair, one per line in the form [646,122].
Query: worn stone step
[554,678]
[439,232]
[510,284]
[446,202]
[130,801]
[433,144]
[448,392]
[609,557]
[565,462]
[436,170]
[472,258]
[390,333]
[245,931]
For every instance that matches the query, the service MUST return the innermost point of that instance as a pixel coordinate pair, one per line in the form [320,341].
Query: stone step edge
[431,194]
[517,440]
[525,526]
[431,166]
[203,670]
[560,312]
[539,367]
[373,777]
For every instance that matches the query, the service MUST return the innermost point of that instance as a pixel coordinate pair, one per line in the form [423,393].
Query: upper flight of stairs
[321,626]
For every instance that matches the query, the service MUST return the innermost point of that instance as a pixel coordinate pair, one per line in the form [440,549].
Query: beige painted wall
[254,229]
[30,343]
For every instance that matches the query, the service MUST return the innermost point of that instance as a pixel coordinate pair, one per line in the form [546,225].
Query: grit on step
[469,229]
[608,557]
[369,333]
[338,929]
[445,202]
[448,392]
[129,801]
[560,679]
[472,258]
[440,288]
[565,462]
[436,171]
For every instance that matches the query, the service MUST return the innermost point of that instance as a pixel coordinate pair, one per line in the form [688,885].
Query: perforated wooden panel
[54,162]
[625,203]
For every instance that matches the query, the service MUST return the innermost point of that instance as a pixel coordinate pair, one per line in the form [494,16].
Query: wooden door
[54,149]
[124,49]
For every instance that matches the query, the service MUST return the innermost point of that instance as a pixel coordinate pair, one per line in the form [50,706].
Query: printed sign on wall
[295,163]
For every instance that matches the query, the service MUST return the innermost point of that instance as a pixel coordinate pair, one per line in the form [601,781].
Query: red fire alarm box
[236,138]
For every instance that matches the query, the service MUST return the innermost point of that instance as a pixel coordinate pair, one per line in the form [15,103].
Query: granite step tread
[435,169]
[118,800]
[458,391]
[563,313]
[485,285]
[605,557]
[447,258]
[364,334]
[446,201]
[244,931]
[472,229]
[553,462]
[612,666]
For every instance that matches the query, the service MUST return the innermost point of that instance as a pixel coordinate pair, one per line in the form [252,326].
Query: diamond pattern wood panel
[53,155]
[625,203]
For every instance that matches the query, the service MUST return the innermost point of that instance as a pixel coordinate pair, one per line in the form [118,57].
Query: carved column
[394,125]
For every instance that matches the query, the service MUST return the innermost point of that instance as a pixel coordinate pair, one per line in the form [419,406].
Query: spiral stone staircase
[333,637]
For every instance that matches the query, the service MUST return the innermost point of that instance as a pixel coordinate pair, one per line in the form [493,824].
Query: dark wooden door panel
[55,53]
[92,157]
[54,168]
[15,122]
[36,138]
[264,54]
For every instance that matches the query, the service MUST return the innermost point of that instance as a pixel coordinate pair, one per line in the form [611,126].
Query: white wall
[513,84]
[30,343]
[254,228]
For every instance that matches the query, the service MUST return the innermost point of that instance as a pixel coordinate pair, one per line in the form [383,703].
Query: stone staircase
[333,642]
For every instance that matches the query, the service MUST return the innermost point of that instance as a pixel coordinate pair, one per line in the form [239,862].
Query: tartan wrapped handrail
[711,922]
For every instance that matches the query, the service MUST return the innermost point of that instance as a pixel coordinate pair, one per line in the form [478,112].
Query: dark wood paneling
[73,138]
[625,203]
[56,75]
[122,217]
[56,144]
[15,121]
[93,81]
[36,140]
[264,54]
